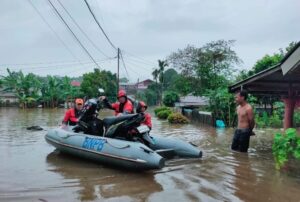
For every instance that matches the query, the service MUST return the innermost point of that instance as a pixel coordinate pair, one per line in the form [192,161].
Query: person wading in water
[241,138]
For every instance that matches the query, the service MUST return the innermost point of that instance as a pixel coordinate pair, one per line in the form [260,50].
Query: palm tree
[155,74]
[161,69]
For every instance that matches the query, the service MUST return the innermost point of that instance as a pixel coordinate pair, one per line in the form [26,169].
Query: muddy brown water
[31,169]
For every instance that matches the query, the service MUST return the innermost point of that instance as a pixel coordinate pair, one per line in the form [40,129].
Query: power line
[124,64]
[87,4]
[132,69]
[83,32]
[87,52]
[56,63]
[140,65]
[139,58]
[49,26]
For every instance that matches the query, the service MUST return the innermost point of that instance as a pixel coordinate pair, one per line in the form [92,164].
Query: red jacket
[147,120]
[71,116]
[128,107]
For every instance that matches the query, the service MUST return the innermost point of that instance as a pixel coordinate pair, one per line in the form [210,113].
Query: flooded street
[31,169]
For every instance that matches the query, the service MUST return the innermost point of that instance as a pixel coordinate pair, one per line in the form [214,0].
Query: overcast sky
[146,30]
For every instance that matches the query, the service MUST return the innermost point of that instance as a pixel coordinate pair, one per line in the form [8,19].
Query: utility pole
[118,74]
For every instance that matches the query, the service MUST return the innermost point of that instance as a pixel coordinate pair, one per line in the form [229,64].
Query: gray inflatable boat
[121,153]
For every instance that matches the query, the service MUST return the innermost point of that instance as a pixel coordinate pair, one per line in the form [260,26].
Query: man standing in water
[241,138]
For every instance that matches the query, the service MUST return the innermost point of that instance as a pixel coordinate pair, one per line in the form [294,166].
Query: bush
[170,98]
[177,118]
[285,147]
[268,121]
[262,121]
[159,109]
[164,114]
[275,121]
[297,119]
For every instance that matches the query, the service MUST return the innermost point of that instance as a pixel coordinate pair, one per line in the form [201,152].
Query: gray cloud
[150,29]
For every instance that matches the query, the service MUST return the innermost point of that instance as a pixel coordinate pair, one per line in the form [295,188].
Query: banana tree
[51,91]
[25,87]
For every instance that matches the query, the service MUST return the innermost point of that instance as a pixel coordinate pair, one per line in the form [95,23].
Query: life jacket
[147,121]
[71,117]
[121,108]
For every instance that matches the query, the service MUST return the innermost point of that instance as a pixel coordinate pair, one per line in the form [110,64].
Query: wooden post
[289,109]
[288,112]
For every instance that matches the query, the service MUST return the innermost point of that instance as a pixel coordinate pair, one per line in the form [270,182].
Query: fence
[199,116]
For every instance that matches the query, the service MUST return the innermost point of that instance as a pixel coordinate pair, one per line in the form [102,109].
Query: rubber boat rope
[124,147]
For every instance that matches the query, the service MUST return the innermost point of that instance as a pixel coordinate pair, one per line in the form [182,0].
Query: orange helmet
[142,104]
[139,106]
[122,93]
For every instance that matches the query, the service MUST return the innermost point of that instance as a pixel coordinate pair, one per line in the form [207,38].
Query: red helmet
[121,93]
[142,104]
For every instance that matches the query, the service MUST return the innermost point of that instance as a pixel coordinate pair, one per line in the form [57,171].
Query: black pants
[240,141]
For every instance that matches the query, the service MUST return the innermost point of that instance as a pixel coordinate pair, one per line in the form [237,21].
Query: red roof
[75,83]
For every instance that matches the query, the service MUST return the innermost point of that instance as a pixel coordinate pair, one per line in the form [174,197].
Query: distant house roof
[75,83]
[146,81]
[144,84]
[4,94]
[194,101]
[127,84]
[139,85]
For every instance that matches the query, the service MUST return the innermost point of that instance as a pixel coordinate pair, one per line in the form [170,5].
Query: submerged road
[31,169]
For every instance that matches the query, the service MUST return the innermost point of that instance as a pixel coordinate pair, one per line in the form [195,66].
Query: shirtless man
[241,138]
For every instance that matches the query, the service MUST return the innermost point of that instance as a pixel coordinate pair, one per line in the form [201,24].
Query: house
[133,88]
[75,83]
[143,85]
[191,101]
[130,88]
[8,98]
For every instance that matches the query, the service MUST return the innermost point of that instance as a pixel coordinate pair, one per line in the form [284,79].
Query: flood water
[31,169]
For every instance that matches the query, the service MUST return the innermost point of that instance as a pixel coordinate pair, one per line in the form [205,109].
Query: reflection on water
[98,182]
[31,169]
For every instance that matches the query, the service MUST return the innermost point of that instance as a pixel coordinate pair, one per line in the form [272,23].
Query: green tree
[69,92]
[184,85]
[161,69]
[211,65]
[266,62]
[51,91]
[152,94]
[169,76]
[222,104]
[124,80]
[99,79]
[159,74]
[25,87]
[155,74]
[170,98]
